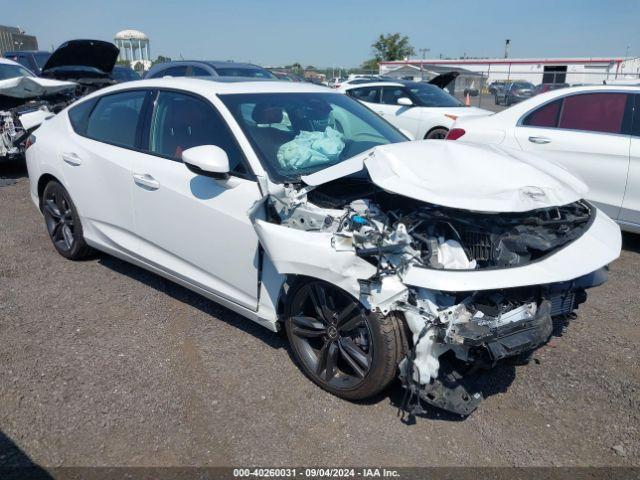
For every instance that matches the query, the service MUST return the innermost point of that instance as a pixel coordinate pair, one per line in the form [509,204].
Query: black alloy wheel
[341,346]
[63,223]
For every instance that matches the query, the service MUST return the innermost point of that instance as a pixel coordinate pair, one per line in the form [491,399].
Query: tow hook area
[457,386]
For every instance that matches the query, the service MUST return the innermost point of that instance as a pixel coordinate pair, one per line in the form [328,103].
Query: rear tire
[436,134]
[343,348]
[63,223]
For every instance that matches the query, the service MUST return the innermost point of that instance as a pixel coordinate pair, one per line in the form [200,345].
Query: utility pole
[423,51]
[507,42]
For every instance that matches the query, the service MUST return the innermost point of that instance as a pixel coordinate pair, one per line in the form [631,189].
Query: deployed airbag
[311,148]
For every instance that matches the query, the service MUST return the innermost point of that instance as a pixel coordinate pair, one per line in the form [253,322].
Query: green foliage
[392,46]
[160,59]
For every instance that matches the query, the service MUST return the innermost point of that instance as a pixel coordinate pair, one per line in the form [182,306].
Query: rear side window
[115,118]
[197,72]
[183,121]
[366,94]
[594,112]
[79,116]
[178,71]
[545,116]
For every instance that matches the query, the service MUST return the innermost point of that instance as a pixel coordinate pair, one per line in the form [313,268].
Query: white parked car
[421,109]
[589,130]
[296,206]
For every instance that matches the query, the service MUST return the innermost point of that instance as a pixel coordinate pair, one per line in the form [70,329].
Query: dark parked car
[122,73]
[514,92]
[495,87]
[547,87]
[33,60]
[196,68]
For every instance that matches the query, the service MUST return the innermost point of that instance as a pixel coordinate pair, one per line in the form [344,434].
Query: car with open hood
[76,68]
[299,208]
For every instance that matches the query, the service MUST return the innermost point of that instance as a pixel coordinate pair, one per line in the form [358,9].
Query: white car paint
[608,163]
[215,236]
[431,171]
[417,120]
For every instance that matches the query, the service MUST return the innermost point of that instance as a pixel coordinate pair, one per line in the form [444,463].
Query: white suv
[294,205]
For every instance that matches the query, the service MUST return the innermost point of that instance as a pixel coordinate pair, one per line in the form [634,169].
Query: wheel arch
[44,179]
[439,127]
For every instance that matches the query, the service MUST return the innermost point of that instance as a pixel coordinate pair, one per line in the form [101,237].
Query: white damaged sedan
[296,206]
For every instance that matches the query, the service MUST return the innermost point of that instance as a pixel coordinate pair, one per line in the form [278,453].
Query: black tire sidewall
[375,380]
[431,132]
[79,248]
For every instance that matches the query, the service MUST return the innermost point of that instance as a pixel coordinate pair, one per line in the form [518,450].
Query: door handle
[539,140]
[146,181]
[72,158]
[380,112]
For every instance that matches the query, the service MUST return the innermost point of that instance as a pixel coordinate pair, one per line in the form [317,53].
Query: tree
[392,46]
[370,65]
[310,67]
[160,59]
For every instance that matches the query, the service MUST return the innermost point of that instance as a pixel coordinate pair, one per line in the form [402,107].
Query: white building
[534,70]
[134,47]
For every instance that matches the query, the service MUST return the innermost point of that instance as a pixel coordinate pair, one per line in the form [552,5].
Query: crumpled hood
[31,87]
[474,177]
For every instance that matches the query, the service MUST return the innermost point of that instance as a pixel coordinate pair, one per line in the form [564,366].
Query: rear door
[97,164]
[588,133]
[192,226]
[630,213]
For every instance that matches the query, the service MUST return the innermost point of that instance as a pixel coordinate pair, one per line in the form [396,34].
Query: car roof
[351,86]
[6,61]
[207,86]
[211,63]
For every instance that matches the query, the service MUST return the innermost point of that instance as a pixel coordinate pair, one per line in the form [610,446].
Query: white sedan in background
[424,110]
[593,131]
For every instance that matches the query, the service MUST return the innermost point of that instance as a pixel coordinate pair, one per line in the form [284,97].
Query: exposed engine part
[453,333]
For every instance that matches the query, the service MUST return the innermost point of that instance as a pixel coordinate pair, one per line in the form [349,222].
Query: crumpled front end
[473,288]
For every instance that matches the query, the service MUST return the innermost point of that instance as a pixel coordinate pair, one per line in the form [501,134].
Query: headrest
[265,113]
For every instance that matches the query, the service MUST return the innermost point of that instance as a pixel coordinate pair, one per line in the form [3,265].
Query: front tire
[340,346]
[63,223]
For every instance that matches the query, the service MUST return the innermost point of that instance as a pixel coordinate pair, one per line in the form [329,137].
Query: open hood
[444,79]
[472,177]
[84,53]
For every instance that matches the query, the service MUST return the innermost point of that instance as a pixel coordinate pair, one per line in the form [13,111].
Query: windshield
[244,72]
[429,95]
[124,74]
[41,59]
[522,85]
[297,134]
[13,71]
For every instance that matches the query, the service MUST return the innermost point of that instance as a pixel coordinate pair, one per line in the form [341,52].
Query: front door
[192,226]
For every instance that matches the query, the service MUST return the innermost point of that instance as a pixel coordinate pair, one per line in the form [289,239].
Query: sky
[339,33]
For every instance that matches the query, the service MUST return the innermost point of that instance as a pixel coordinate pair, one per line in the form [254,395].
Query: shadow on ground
[182,294]
[16,464]
[11,171]
[631,242]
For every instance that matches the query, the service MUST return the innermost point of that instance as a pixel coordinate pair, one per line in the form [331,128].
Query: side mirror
[405,102]
[207,160]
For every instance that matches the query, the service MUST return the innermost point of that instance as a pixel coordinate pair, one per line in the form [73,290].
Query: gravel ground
[104,364]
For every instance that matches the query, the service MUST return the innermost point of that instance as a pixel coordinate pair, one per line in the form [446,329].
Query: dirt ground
[102,363]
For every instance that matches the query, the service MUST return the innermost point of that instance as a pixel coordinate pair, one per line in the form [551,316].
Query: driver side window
[182,121]
[390,95]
